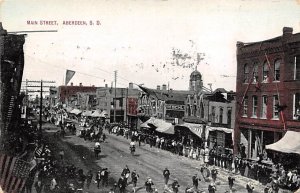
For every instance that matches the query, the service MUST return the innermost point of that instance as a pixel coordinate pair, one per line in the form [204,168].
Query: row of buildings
[265,106]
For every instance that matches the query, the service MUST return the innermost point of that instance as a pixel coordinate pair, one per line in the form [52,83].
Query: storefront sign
[175,107]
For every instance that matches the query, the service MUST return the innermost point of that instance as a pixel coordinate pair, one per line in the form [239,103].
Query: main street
[148,162]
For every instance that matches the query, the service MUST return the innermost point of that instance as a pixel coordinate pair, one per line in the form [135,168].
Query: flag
[69,76]
[13,173]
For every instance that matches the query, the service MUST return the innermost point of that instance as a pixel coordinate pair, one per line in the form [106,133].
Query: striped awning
[197,129]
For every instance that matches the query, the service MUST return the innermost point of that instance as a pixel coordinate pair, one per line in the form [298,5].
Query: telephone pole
[114,100]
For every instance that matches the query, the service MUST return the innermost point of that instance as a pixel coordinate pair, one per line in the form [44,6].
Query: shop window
[275,107]
[297,68]
[277,70]
[255,72]
[245,106]
[246,73]
[264,107]
[297,106]
[265,72]
[221,115]
[254,106]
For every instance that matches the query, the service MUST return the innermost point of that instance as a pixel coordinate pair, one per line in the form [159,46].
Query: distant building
[268,92]
[69,93]
[196,82]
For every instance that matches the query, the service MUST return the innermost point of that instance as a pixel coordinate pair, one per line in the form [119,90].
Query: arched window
[255,72]
[265,72]
[277,70]
[246,73]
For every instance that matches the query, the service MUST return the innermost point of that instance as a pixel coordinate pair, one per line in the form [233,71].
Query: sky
[150,42]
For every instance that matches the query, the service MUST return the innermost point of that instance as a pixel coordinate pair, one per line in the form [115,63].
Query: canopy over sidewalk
[76,111]
[197,129]
[289,143]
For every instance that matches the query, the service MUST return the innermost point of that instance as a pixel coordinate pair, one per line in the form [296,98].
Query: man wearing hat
[214,173]
[195,180]
[148,185]
[122,183]
[212,188]
[231,179]
[98,178]
[134,178]
[175,186]
[104,177]
[166,174]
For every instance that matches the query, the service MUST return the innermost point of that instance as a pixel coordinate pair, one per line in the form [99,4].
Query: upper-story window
[221,115]
[277,70]
[297,68]
[255,72]
[245,106]
[254,106]
[275,107]
[246,73]
[265,72]
[264,106]
[213,114]
[296,108]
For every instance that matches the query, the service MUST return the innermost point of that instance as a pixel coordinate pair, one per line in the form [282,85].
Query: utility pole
[114,101]
[41,108]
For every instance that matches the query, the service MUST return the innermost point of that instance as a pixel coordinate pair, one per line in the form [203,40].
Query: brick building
[268,92]
[65,93]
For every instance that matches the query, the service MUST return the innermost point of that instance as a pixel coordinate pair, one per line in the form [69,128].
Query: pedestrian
[250,187]
[38,186]
[214,173]
[104,177]
[103,137]
[212,188]
[166,174]
[175,186]
[195,180]
[89,177]
[126,173]
[275,186]
[61,154]
[148,185]
[98,179]
[134,178]
[231,179]
[97,149]
[122,183]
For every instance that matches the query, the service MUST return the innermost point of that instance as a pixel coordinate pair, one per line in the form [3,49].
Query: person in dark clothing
[103,137]
[104,177]
[195,180]
[166,174]
[231,179]
[214,173]
[249,187]
[134,178]
[148,185]
[175,186]
[126,173]
[38,186]
[122,183]
[212,188]
[89,177]
[98,179]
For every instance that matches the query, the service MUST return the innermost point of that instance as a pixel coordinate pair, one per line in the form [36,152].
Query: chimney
[158,87]
[106,85]
[130,85]
[71,83]
[287,32]
[164,87]
[80,84]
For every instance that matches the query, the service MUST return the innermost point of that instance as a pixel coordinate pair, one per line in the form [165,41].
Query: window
[245,106]
[246,73]
[275,108]
[265,72]
[202,110]
[264,107]
[277,70]
[297,106]
[229,113]
[297,68]
[254,106]
[221,115]
[213,114]
[255,72]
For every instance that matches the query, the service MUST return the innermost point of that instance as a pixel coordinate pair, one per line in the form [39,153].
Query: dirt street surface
[148,162]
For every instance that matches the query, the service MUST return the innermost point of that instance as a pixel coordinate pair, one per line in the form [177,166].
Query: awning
[145,124]
[226,130]
[69,109]
[289,143]
[163,126]
[197,129]
[76,111]
[87,113]
[96,114]
[104,114]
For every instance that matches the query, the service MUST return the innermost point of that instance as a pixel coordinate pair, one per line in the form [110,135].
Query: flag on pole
[13,173]
[69,76]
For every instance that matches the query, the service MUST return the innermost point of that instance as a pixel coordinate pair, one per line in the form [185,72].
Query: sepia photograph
[150,96]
